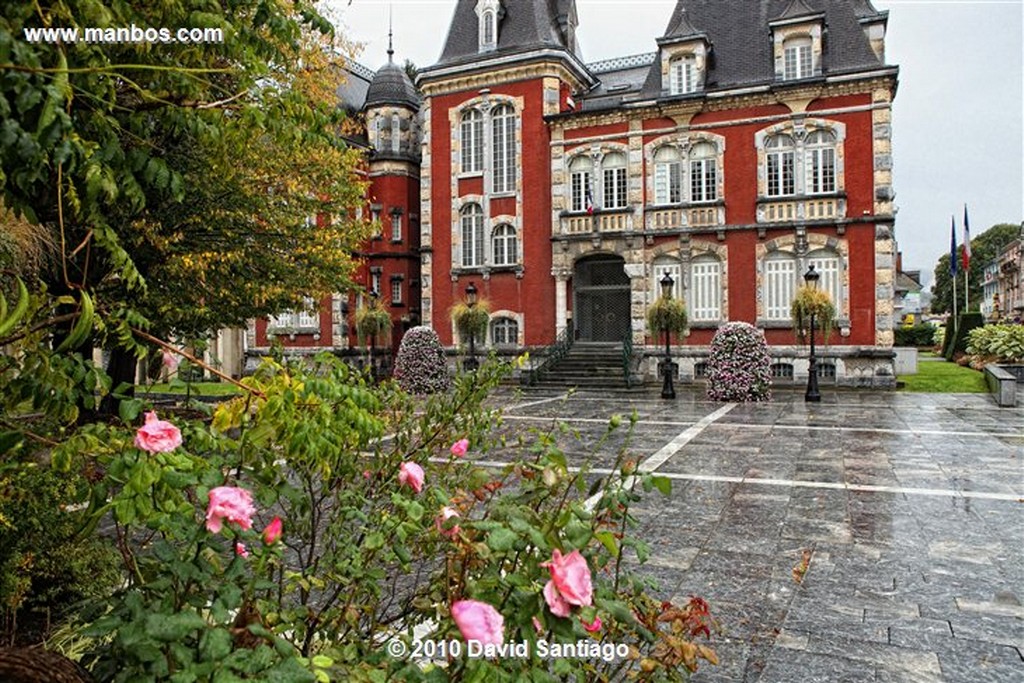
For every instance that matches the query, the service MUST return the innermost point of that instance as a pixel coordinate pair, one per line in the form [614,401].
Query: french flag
[590,201]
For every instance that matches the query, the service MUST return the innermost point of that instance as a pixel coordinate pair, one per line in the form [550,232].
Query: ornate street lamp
[811,277]
[471,364]
[667,390]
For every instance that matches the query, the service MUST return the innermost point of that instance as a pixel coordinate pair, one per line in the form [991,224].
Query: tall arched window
[670,265]
[703,173]
[821,162]
[580,169]
[781,171]
[826,263]
[472,137]
[779,285]
[487,29]
[504,332]
[396,133]
[503,149]
[705,298]
[503,245]
[668,176]
[797,58]
[613,176]
[682,75]
[472,219]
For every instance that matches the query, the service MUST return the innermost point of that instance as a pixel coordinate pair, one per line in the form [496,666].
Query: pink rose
[231,504]
[169,361]
[537,626]
[157,436]
[442,517]
[410,474]
[556,603]
[571,577]
[272,532]
[240,550]
[594,626]
[460,448]
[479,621]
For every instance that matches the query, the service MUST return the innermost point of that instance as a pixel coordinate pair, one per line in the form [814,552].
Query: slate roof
[391,85]
[525,24]
[741,38]
[352,90]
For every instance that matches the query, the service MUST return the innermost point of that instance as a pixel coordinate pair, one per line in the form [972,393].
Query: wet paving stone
[904,512]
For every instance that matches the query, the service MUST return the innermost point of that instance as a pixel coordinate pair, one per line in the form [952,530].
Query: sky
[958,116]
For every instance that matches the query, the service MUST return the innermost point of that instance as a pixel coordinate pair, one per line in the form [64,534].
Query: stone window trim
[684,144]
[484,104]
[802,40]
[692,250]
[598,155]
[696,51]
[489,15]
[802,132]
[509,315]
[802,249]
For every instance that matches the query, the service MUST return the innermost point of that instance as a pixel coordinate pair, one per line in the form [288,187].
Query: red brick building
[753,142]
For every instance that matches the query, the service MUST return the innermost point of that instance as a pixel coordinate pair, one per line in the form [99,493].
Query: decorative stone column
[561,276]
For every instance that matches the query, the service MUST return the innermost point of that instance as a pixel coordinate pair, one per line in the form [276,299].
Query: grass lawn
[941,377]
[198,389]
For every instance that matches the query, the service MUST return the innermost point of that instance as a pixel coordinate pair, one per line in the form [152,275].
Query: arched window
[826,263]
[503,140]
[781,172]
[779,285]
[703,173]
[705,299]
[503,245]
[668,176]
[797,58]
[396,133]
[613,170]
[504,332]
[487,28]
[670,265]
[821,162]
[682,75]
[472,219]
[581,198]
[472,130]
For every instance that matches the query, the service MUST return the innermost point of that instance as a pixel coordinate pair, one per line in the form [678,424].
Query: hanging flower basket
[471,319]
[666,314]
[372,322]
[810,300]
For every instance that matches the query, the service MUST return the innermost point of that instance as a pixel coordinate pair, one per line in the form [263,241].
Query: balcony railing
[607,220]
[673,218]
[801,209]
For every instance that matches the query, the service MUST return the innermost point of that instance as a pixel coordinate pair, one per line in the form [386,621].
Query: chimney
[899,261]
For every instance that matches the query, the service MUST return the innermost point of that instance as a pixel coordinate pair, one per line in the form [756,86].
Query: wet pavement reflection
[909,506]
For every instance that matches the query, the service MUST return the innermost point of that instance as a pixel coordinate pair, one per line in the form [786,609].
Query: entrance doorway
[601,305]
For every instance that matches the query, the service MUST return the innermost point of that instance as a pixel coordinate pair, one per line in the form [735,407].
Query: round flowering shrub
[739,368]
[420,366]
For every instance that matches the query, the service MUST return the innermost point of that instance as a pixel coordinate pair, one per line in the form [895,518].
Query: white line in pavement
[748,425]
[517,406]
[667,451]
[794,483]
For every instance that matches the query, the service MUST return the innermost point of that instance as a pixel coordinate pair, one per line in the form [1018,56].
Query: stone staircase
[593,366]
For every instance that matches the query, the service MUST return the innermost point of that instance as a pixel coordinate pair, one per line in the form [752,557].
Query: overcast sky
[957,121]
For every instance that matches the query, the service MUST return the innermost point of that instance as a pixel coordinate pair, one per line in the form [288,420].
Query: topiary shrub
[420,366]
[739,368]
[918,335]
[958,343]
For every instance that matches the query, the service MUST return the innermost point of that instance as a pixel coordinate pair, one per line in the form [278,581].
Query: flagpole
[954,305]
[967,294]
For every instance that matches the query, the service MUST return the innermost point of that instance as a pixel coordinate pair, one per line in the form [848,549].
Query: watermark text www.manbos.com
[123,34]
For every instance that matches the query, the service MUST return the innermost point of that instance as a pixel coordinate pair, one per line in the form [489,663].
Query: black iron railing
[553,354]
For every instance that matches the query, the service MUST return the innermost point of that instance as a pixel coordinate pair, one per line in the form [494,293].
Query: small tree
[420,366]
[812,301]
[372,321]
[739,368]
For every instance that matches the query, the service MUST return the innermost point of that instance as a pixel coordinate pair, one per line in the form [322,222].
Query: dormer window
[683,75]
[797,60]
[488,13]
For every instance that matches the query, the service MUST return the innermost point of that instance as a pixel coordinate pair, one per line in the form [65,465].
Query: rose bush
[286,539]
